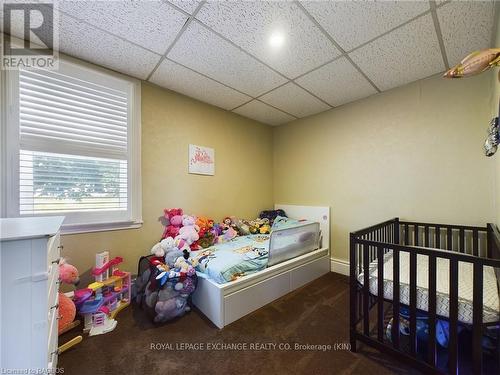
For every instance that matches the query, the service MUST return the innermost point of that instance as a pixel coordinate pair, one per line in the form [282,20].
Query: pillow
[282,222]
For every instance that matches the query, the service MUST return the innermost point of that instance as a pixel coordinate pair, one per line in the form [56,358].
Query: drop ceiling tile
[250,24]
[80,40]
[407,54]
[186,5]
[178,78]
[466,27]
[263,113]
[294,100]
[337,83]
[352,23]
[200,49]
[151,24]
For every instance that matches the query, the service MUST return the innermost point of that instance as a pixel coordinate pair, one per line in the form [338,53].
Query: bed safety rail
[371,311]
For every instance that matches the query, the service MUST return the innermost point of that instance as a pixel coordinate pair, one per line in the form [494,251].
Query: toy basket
[165,301]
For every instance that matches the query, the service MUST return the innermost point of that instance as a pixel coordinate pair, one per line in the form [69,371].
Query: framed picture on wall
[201,160]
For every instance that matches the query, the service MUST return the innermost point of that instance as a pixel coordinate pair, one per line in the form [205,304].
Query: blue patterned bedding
[227,261]
[244,255]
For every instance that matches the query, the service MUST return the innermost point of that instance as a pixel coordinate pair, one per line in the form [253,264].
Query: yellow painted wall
[413,152]
[242,186]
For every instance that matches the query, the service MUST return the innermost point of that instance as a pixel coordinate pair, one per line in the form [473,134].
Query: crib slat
[395,298]
[426,236]
[452,346]
[449,239]
[371,237]
[397,231]
[475,242]
[489,247]
[477,317]
[413,304]
[438,237]
[431,359]
[353,311]
[359,263]
[380,294]
[366,286]
[462,241]
[406,234]
[415,235]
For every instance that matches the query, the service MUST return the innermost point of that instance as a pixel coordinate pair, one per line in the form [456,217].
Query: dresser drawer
[53,334]
[53,287]
[53,250]
[52,364]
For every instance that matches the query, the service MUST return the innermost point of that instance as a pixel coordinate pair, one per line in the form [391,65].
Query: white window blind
[61,112]
[77,145]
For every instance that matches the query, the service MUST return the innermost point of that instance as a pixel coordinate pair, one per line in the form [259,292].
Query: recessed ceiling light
[277,39]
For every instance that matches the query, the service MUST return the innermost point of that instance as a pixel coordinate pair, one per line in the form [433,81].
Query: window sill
[101,227]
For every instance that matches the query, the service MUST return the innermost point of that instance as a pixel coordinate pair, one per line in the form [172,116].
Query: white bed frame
[226,303]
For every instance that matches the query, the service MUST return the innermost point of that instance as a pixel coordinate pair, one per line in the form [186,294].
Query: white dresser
[29,254]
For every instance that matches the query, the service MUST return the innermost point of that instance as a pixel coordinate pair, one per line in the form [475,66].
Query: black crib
[369,312]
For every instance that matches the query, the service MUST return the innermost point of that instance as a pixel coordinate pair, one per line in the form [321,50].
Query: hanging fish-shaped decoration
[491,142]
[475,63]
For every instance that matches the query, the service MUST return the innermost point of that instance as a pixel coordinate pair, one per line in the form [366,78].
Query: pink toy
[67,311]
[113,262]
[174,217]
[68,274]
[82,295]
[103,299]
[189,230]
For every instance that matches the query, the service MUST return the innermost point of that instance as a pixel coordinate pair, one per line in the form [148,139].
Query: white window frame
[75,222]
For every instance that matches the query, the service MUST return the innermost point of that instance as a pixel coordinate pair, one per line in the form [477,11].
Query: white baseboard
[339,266]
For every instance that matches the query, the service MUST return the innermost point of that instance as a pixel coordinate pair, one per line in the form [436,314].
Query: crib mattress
[491,308]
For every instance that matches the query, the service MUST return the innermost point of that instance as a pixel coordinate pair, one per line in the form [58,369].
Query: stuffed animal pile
[168,280]
[188,232]
[201,232]
[167,277]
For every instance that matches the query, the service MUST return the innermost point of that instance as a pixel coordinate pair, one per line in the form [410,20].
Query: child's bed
[245,274]
[244,255]
[406,273]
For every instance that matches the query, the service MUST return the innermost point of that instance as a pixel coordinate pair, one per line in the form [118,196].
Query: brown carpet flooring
[315,314]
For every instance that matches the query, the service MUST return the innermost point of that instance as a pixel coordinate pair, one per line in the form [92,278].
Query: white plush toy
[157,250]
[161,248]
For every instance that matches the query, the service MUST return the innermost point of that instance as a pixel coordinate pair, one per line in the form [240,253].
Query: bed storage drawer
[308,272]
[249,299]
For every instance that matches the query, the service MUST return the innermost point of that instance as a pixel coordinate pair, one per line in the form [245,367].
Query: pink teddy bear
[189,230]
[174,217]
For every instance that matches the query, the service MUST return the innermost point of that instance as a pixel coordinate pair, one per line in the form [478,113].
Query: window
[73,147]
